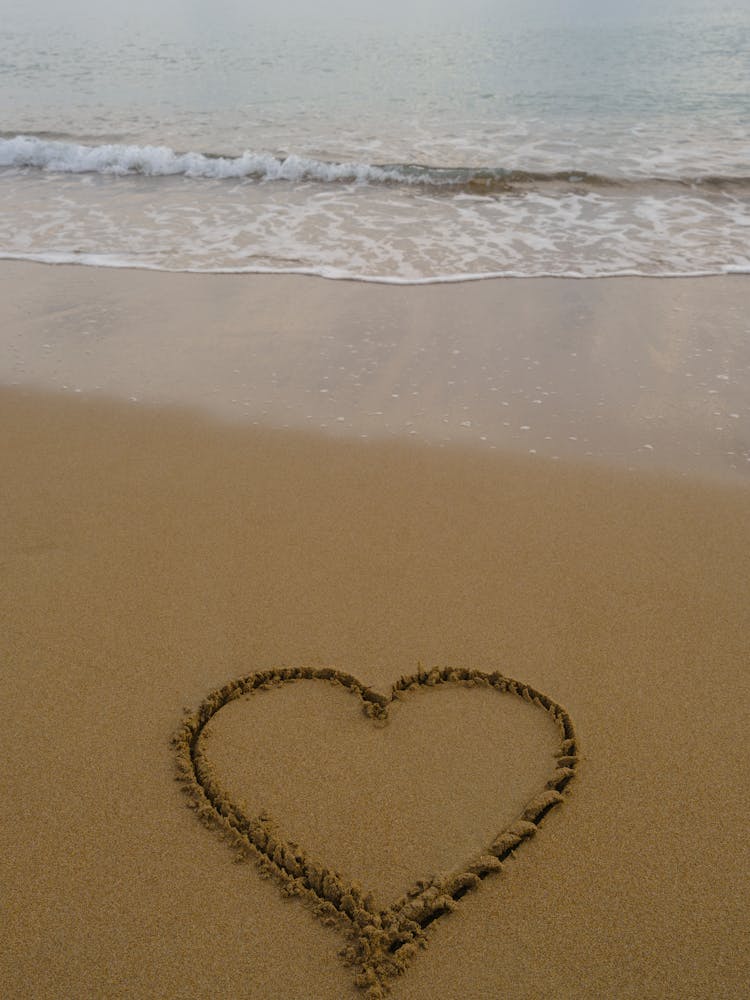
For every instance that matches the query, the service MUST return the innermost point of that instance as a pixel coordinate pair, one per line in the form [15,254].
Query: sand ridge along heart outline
[381,941]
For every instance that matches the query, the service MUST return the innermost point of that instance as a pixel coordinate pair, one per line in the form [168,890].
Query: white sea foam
[334,274]
[131,207]
[59,156]
[161,161]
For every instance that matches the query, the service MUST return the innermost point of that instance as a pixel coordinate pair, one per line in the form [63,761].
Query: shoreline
[102,261]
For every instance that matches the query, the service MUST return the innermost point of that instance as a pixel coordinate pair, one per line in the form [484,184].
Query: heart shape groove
[381,941]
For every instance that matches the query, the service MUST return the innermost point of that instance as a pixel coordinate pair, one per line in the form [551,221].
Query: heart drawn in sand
[381,940]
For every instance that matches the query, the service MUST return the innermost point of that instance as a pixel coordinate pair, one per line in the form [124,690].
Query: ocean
[393,142]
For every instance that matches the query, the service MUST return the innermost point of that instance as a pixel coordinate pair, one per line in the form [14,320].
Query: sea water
[390,141]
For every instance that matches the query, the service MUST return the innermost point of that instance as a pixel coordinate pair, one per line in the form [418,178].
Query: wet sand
[645,372]
[149,555]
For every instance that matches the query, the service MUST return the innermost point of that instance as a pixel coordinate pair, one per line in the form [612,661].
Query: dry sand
[149,557]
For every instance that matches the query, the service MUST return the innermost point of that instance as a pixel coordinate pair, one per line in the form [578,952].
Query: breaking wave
[54,155]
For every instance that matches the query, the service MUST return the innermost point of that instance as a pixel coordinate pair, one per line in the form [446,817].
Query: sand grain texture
[351,795]
[148,558]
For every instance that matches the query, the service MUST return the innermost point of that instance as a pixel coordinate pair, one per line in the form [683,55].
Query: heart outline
[382,941]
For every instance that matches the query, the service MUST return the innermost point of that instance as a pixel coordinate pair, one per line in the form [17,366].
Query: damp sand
[150,557]
[645,372]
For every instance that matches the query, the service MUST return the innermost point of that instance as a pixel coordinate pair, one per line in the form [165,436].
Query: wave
[55,155]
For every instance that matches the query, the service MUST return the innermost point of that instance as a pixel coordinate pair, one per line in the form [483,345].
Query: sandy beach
[647,373]
[152,551]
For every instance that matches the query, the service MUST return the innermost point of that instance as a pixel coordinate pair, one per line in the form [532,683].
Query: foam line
[336,274]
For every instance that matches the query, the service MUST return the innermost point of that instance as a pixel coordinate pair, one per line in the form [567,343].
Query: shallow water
[426,144]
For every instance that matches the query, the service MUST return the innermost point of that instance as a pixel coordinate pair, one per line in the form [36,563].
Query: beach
[643,372]
[161,539]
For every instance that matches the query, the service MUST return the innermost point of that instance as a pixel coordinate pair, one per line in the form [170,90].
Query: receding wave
[55,155]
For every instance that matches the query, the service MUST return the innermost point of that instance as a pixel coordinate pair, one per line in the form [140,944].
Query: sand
[650,373]
[151,555]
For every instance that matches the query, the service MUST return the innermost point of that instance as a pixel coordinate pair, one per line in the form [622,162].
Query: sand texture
[513,795]
[149,559]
